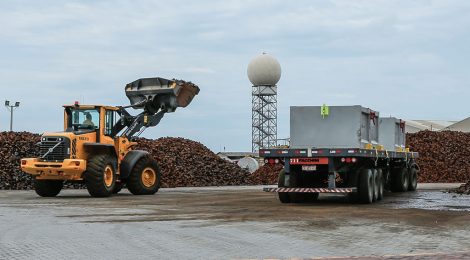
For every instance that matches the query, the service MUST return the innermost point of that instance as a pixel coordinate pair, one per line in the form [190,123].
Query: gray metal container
[343,127]
[392,133]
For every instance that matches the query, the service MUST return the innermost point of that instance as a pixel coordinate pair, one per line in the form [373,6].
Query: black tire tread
[365,185]
[283,196]
[134,182]
[48,188]
[94,175]
[381,184]
[398,178]
[412,182]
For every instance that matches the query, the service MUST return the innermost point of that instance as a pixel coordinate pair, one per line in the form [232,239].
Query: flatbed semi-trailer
[364,173]
[340,151]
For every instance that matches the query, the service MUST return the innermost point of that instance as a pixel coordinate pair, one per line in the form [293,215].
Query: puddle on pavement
[429,200]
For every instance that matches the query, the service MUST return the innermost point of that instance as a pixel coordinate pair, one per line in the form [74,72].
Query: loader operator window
[109,122]
[85,119]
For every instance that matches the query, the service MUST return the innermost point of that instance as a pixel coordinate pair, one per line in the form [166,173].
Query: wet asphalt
[232,223]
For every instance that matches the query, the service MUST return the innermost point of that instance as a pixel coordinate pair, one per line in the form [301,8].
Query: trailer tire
[413,181]
[48,188]
[400,179]
[145,177]
[381,184]
[100,175]
[308,197]
[375,176]
[298,197]
[366,186]
[283,196]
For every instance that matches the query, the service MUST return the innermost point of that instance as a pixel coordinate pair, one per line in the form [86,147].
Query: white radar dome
[248,163]
[264,70]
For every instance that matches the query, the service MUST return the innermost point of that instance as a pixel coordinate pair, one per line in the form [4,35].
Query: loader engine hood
[155,94]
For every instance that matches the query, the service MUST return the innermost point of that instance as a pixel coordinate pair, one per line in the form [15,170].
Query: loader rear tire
[100,175]
[366,186]
[145,177]
[48,188]
[283,196]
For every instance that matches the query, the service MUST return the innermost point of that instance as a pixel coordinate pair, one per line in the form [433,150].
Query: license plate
[309,168]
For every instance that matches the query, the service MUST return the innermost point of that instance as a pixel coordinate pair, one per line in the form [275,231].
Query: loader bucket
[154,94]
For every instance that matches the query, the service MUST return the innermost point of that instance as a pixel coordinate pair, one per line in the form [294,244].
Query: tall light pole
[11,108]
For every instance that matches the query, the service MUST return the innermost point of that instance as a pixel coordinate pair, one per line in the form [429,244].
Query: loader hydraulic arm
[156,96]
[136,124]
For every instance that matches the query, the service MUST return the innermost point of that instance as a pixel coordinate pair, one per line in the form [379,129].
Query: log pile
[186,163]
[443,156]
[183,162]
[13,147]
[266,174]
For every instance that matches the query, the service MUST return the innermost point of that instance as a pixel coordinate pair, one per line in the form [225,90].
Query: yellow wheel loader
[95,147]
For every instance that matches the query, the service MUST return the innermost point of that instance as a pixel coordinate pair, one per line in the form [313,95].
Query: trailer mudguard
[129,162]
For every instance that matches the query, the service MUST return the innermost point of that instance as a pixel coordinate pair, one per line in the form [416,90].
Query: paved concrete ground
[231,222]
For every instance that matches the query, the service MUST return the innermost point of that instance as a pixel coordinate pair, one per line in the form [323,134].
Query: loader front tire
[48,188]
[100,175]
[145,177]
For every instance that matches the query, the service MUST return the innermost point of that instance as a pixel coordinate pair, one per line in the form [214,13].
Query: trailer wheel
[375,177]
[413,175]
[400,179]
[366,186]
[297,197]
[145,177]
[48,188]
[283,196]
[100,175]
[308,197]
[381,184]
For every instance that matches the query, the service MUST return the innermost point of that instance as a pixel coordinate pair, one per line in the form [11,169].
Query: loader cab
[85,119]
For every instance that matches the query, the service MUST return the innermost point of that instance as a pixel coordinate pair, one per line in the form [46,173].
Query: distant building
[413,126]
[462,126]
[235,156]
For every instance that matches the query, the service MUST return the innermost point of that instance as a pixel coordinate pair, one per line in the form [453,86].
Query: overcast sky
[409,59]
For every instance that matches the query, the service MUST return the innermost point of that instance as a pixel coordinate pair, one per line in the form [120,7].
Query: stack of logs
[13,147]
[266,175]
[186,163]
[443,156]
[182,162]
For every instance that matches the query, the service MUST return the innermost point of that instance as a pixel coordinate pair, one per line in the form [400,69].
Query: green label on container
[325,111]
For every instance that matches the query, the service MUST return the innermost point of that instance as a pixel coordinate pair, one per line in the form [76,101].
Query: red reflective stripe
[309,161]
